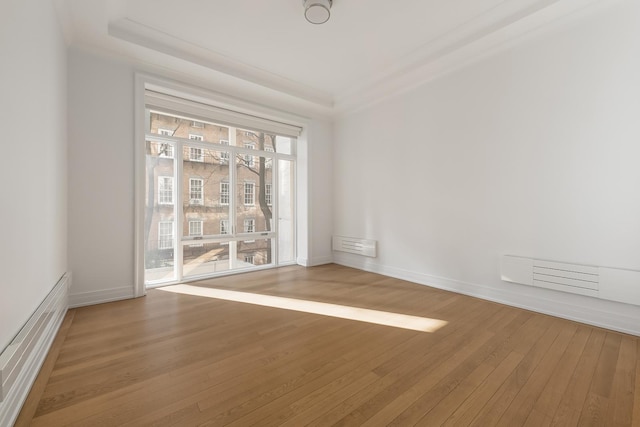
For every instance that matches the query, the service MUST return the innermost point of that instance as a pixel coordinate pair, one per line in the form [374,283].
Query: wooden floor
[172,359]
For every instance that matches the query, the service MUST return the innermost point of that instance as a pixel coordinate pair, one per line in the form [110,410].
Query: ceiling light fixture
[317,11]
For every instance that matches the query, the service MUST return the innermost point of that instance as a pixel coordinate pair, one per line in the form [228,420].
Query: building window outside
[196,196]
[165,190]
[196,124]
[224,155]
[165,235]
[195,154]
[165,150]
[249,193]
[224,226]
[249,227]
[195,229]
[267,194]
[248,259]
[194,137]
[248,159]
[224,193]
[165,132]
[268,162]
[224,229]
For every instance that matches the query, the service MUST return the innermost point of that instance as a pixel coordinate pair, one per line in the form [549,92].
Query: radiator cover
[600,282]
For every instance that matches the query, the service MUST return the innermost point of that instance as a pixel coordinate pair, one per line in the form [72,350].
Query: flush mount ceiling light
[317,11]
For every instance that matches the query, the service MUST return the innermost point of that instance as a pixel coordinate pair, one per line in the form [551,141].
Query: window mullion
[178,211]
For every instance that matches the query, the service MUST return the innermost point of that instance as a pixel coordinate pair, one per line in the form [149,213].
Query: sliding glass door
[218,198]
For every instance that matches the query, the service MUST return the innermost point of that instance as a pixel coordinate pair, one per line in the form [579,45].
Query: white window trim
[165,132]
[196,137]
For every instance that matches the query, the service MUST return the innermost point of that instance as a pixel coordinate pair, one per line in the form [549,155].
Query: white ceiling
[270,44]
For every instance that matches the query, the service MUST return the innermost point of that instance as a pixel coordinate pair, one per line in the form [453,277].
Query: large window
[218,198]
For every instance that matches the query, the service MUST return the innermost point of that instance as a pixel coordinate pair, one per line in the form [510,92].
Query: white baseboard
[98,297]
[606,314]
[312,262]
[21,361]
[321,260]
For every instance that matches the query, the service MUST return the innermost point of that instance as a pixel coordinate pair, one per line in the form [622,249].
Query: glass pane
[254,202]
[284,145]
[254,252]
[286,225]
[181,127]
[205,192]
[204,259]
[159,231]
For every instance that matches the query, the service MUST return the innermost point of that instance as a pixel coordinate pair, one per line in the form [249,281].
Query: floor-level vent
[601,282]
[354,245]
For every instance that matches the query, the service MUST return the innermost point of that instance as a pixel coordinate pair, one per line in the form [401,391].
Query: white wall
[101,173]
[531,152]
[33,119]
[101,190]
[320,189]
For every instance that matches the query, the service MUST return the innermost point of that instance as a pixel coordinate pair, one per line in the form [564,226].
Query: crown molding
[142,35]
[499,29]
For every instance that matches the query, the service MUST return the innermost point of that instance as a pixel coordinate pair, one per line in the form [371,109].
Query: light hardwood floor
[173,359]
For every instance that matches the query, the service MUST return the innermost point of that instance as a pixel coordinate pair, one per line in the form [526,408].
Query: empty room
[320,212]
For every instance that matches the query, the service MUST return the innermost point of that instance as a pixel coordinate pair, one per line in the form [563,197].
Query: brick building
[204,191]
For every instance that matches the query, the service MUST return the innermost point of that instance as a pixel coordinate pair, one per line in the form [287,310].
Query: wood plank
[30,406]
[594,410]
[623,385]
[570,407]
[172,359]
[636,395]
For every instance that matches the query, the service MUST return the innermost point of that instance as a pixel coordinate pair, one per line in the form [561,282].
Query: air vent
[355,245]
[601,282]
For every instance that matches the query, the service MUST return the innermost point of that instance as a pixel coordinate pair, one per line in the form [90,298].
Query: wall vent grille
[355,245]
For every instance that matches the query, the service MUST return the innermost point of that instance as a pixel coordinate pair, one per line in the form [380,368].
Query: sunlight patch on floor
[397,320]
